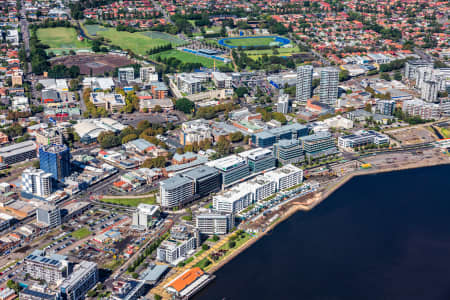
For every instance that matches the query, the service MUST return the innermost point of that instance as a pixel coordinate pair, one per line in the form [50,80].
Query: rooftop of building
[17,148]
[186,278]
[148,209]
[140,144]
[200,172]
[54,260]
[54,148]
[316,136]
[227,162]
[78,273]
[285,143]
[255,154]
[174,182]
[283,171]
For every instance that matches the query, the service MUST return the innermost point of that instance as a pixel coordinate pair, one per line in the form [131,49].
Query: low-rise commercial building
[289,151]
[189,84]
[5,221]
[285,177]
[80,281]
[261,187]
[339,122]
[269,137]
[319,144]
[385,107]
[188,283]
[214,223]
[171,251]
[206,180]
[145,215]
[232,167]
[221,80]
[125,74]
[176,191]
[363,138]
[422,109]
[259,159]
[18,152]
[109,101]
[51,269]
[49,215]
[233,200]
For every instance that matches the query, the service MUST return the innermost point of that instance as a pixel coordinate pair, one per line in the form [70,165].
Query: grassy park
[254,54]
[245,42]
[81,233]
[138,42]
[130,201]
[61,38]
[187,58]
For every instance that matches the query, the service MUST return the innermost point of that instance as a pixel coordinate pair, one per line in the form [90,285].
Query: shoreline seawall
[319,198]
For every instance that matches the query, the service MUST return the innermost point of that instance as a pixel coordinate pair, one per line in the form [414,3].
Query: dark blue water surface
[384,236]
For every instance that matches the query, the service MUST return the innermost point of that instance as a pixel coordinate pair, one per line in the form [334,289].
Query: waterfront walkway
[160,288]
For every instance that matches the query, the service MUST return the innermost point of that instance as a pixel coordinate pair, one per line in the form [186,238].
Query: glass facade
[55,159]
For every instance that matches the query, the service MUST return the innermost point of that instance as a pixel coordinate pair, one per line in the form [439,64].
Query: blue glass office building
[287,132]
[55,159]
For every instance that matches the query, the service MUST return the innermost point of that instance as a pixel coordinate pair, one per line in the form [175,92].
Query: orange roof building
[188,283]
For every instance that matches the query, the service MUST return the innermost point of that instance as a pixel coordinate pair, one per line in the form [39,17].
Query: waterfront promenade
[265,224]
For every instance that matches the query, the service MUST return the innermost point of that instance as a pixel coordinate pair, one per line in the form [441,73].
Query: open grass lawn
[130,201]
[203,263]
[244,237]
[164,36]
[81,233]
[93,29]
[445,132]
[113,264]
[137,42]
[260,41]
[61,38]
[254,54]
[188,58]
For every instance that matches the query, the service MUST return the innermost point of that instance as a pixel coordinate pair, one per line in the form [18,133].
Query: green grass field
[281,52]
[260,41]
[93,29]
[239,242]
[188,58]
[130,201]
[164,36]
[136,42]
[445,132]
[62,39]
[81,233]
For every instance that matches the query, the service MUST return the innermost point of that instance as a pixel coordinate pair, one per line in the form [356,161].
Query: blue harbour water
[384,236]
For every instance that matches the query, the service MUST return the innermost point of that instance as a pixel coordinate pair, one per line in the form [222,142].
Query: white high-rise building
[147,74]
[285,177]
[126,74]
[304,83]
[37,182]
[429,91]
[329,80]
[145,214]
[49,215]
[214,223]
[175,191]
[171,251]
[283,104]
[423,74]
